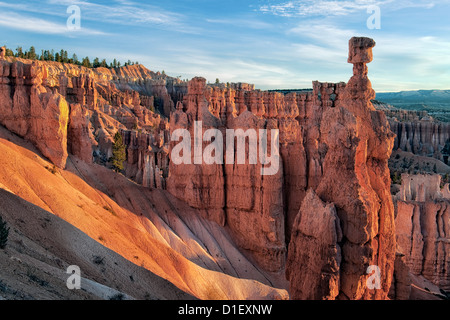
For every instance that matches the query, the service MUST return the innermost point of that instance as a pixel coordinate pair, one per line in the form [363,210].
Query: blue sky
[271,43]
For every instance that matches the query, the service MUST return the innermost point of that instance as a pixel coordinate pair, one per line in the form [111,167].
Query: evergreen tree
[119,154]
[65,56]
[75,59]
[31,54]
[86,63]
[104,64]
[9,53]
[46,55]
[96,63]
[4,232]
[19,52]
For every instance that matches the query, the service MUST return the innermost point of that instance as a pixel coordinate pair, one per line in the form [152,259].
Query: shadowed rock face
[356,143]
[423,227]
[333,143]
[422,137]
[327,209]
[314,255]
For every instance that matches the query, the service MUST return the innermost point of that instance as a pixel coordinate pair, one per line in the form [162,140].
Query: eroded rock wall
[423,228]
[332,142]
[28,109]
[423,137]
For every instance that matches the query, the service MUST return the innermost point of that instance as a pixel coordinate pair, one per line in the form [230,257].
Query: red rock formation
[147,158]
[401,281]
[200,185]
[423,228]
[29,110]
[2,53]
[353,145]
[314,256]
[250,204]
[80,138]
[329,200]
[422,137]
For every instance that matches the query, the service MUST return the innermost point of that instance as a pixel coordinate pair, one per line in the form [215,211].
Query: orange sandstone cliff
[318,222]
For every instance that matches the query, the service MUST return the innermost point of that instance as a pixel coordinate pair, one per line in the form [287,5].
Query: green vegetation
[396,177]
[119,154]
[4,233]
[63,57]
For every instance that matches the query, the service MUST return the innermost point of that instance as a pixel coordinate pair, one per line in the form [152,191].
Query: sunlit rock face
[354,144]
[321,218]
[334,146]
[28,109]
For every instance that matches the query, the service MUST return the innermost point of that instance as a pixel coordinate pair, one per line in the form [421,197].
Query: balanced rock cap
[360,50]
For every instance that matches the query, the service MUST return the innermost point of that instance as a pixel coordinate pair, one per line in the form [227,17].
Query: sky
[274,44]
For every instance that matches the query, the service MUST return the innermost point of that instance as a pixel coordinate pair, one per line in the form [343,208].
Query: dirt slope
[40,248]
[142,226]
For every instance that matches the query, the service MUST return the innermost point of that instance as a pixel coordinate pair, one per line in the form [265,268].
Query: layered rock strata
[353,144]
[28,109]
[423,137]
[423,227]
[332,142]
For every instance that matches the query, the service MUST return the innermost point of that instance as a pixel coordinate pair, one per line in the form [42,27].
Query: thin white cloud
[36,25]
[298,8]
[247,23]
[130,13]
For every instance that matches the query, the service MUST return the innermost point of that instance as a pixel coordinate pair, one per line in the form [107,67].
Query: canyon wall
[423,227]
[30,110]
[424,137]
[334,146]
[321,213]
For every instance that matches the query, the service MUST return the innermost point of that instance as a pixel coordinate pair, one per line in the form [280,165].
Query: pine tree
[31,54]
[9,53]
[119,154]
[86,63]
[96,63]
[19,52]
[75,59]
[4,232]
